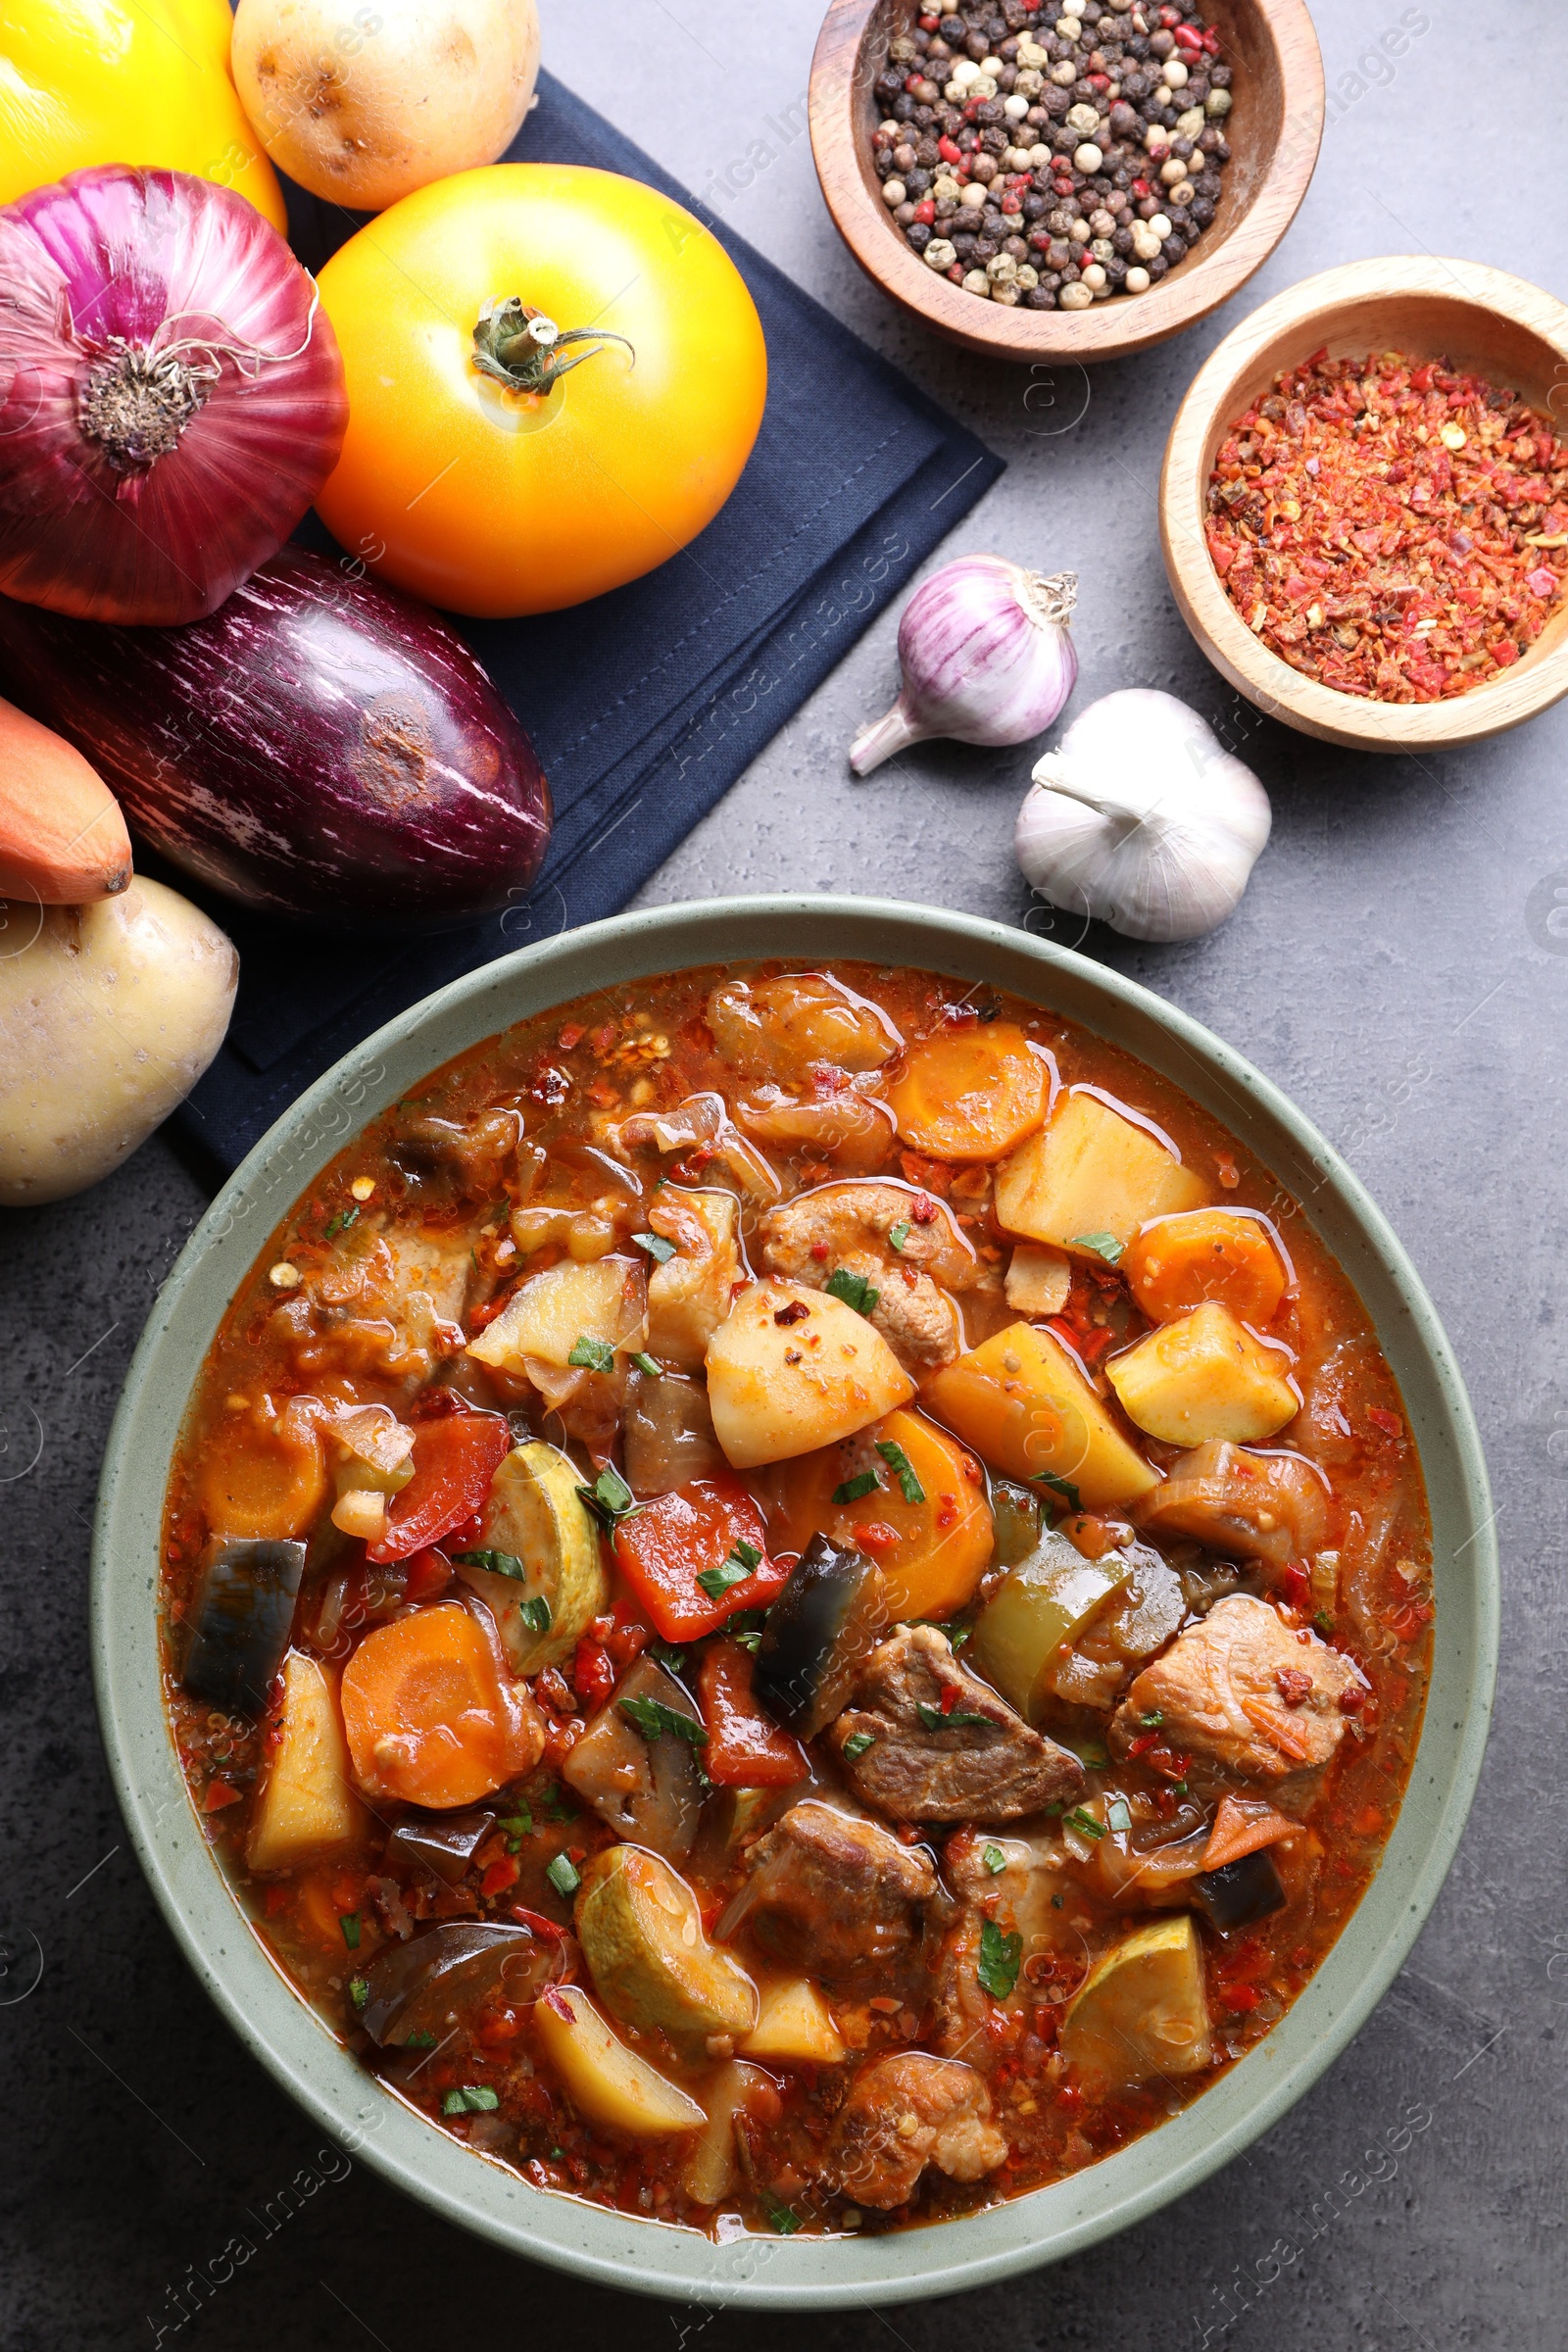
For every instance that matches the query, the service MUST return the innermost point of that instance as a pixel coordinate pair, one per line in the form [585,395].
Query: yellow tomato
[125,82]
[492,500]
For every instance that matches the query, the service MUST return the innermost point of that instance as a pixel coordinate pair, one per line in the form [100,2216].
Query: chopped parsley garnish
[1118,1816]
[1324,1621]
[1000,1957]
[494,1563]
[748,1641]
[856,1744]
[591,1356]
[349,1921]
[341,1222]
[744,1561]
[899,1234]
[1056,1901]
[958,1635]
[934,1720]
[902,1469]
[562,1876]
[1104,1245]
[359,1991]
[654,1719]
[1085,1823]
[535,1614]
[557,1806]
[783,2218]
[867,1482]
[516,1826]
[1153,1720]
[1060,1486]
[609,1497]
[994,1859]
[667,1655]
[418,2041]
[853,1289]
[658,1248]
[649,1365]
[474,2098]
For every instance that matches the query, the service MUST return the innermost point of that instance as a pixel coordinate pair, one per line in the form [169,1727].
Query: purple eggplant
[318,748]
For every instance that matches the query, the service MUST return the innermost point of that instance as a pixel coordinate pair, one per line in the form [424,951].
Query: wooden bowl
[1482,319]
[1274,130]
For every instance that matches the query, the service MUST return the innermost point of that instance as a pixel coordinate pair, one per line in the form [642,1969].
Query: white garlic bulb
[1142,818]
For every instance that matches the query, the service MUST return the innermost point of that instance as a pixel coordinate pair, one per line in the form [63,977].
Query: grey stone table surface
[1394,967]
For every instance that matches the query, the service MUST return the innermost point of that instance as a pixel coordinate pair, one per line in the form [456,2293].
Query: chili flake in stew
[768,1679]
[1395,530]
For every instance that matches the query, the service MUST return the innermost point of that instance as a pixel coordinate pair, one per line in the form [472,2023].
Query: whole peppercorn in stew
[797,1596]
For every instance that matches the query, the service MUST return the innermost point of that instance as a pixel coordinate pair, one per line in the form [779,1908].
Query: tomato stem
[524,350]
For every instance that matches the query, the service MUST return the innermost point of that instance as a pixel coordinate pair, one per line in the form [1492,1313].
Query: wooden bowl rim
[1280,691]
[1111,329]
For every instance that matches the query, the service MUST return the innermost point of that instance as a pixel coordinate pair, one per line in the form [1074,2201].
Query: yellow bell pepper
[125,81]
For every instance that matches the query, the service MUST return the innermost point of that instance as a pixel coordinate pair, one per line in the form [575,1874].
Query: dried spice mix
[1391,527]
[1053,157]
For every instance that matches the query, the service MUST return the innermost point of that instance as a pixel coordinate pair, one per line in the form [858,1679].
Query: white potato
[109,1015]
[792,1369]
[542,1322]
[608,2083]
[689,1295]
[308,1808]
[363,106]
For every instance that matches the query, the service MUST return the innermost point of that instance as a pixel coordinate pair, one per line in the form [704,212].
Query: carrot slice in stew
[265,1478]
[908,1495]
[454,1462]
[971,1094]
[1220,1254]
[1244,1825]
[425,1715]
[746,1749]
[696,1556]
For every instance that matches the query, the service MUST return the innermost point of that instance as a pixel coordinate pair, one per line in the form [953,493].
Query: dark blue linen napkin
[646,705]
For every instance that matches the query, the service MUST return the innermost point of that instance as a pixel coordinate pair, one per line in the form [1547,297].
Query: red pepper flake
[1296,1586]
[501,1875]
[544,1928]
[1240,1996]
[1389,1423]
[218,1794]
[1386,527]
[1292,1686]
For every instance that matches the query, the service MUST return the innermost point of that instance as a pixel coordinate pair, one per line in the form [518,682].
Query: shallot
[172,397]
[985,656]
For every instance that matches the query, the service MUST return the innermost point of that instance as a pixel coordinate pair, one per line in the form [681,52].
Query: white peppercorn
[1172,170]
[1173,74]
[1160,226]
[1137,281]
[1094,276]
[1087,158]
[1183,192]
[894,193]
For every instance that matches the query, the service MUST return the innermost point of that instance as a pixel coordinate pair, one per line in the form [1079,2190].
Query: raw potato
[363,108]
[607,2082]
[1022,1403]
[109,1015]
[767,1407]
[535,1514]
[1038,1280]
[308,1808]
[63,841]
[1140,2011]
[1205,1377]
[1091,1171]
[689,1295]
[600,1300]
[641,1931]
[794,2027]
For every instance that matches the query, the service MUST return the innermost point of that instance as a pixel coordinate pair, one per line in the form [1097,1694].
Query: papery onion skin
[113,262]
[985,656]
[322,749]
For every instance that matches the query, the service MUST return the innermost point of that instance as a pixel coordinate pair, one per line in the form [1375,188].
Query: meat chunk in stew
[846,1228]
[1244,1689]
[903,2113]
[927,1741]
[837,1896]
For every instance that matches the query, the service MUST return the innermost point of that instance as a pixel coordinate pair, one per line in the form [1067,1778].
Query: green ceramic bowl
[614,2248]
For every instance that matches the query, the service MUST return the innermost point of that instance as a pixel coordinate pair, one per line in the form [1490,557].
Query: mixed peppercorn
[1049,163]
[1391,527]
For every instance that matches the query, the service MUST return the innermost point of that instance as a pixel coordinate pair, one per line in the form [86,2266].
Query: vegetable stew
[797,1600]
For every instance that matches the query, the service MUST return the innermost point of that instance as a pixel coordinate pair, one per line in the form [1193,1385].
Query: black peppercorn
[1122,240]
[1159,267]
[1040,298]
[1033,206]
[1016,247]
[986,249]
[1220,76]
[919,236]
[1202,211]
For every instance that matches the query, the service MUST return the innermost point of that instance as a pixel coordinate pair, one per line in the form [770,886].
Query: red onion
[172,396]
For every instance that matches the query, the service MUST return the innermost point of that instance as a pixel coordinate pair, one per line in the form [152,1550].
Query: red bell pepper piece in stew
[696,1556]
[454,1462]
[746,1749]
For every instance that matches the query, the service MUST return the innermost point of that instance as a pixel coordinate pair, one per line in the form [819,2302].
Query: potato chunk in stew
[795,1369]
